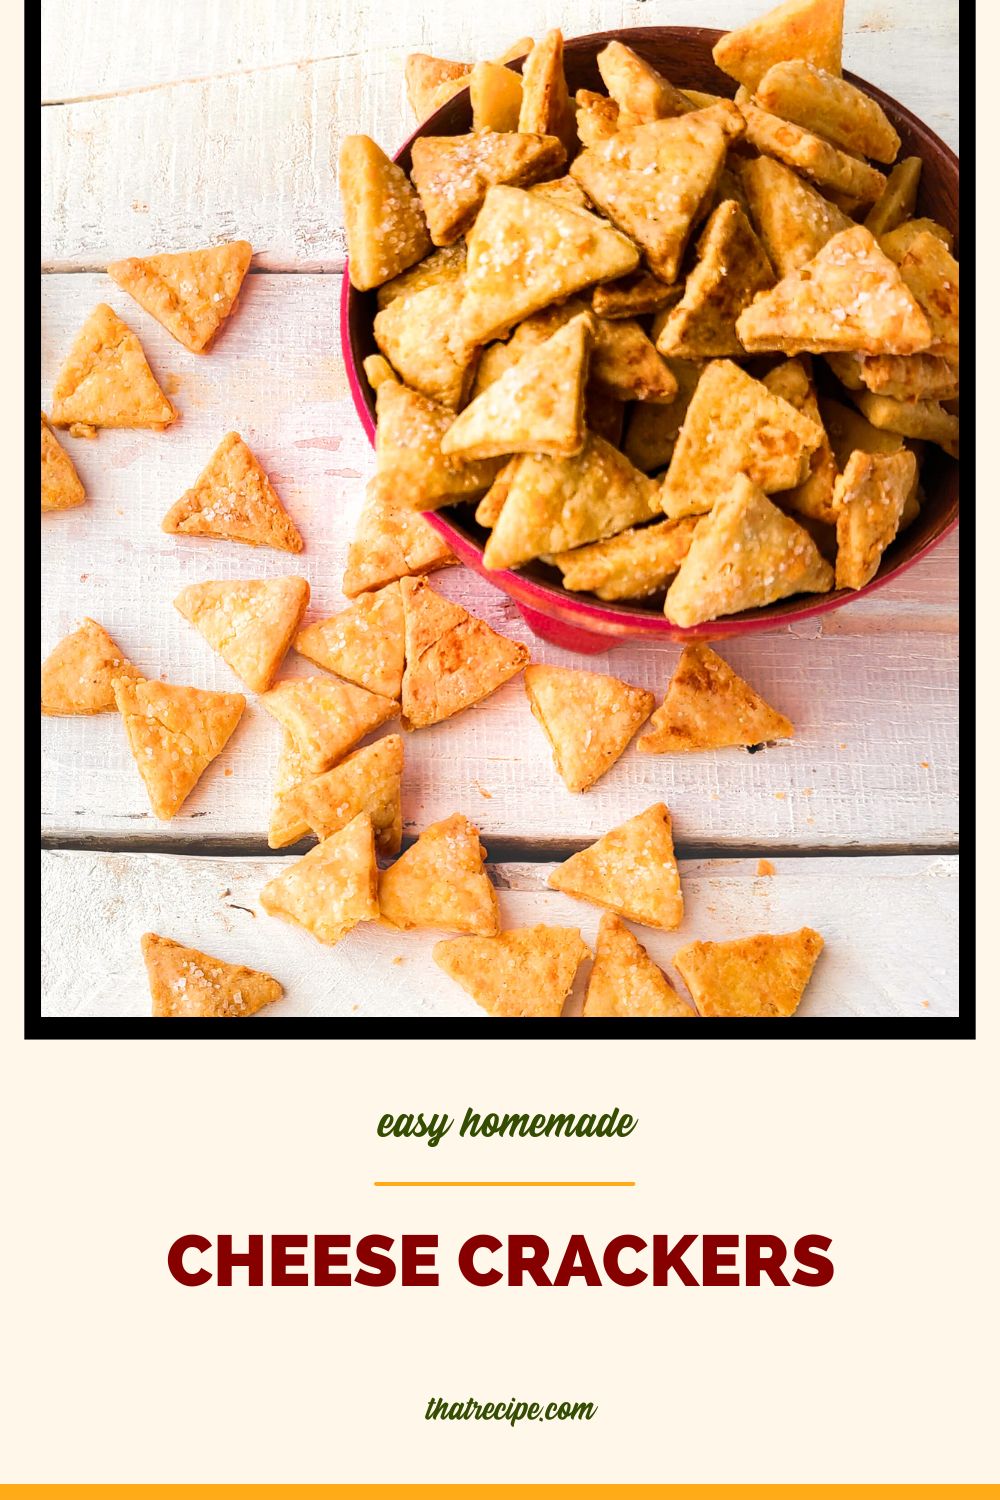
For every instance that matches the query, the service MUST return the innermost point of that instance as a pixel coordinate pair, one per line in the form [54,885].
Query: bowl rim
[584,610]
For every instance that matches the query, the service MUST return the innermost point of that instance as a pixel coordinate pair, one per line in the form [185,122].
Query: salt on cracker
[105,380]
[410,469]
[391,541]
[588,718]
[554,504]
[452,173]
[185,982]
[735,425]
[625,981]
[868,501]
[383,220]
[809,29]
[631,870]
[332,888]
[536,406]
[708,706]
[828,106]
[764,975]
[363,643]
[850,296]
[286,824]
[652,181]
[526,971]
[234,500]
[526,251]
[77,673]
[453,659]
[440,882]
[174,734]
[325,717]
[794,221]
[632,565]
[445,264]
[250,623]
[732,268]
[744,554]
[62,488]
[191,292]
[368,781]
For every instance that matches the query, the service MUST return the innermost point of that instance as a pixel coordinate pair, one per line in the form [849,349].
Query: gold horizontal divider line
[504,1183]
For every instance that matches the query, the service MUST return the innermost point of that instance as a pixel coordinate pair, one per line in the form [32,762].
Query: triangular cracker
[526,251]
[849,430]
[440,882]
[653,181]
[422,336]
[653,430]
[431,82]
[390,542]
[810,29]
[732,268]
[897,242]
[554,504]
[383,219]
[588,719]
[931,273]
[78,673]
[848,180]
[911,377]
[528,971]
[634,296]
[250,623]
[868,500]
[174,734]
[62,487]
[596,117]
[631,870]
[792,381]
[735,425]
[233,498]
[849,296]
[366,782]
[190,292]
[496,95]
[536,406]
[186,982]
[545,104]
[452,173]
[332,888]
[446,264]
[638,89]
[744,554]
[913,419]
[489,508]
[562,190]
[105,380]
[899,200]
[765,975]
[453,659]
[793,220]
[625,981]
[632,565]
[708,706]
[363,643]
[831,107]
[410,468]
[325,717]
[286,824]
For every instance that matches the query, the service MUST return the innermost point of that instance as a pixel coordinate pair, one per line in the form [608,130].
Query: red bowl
[579,621]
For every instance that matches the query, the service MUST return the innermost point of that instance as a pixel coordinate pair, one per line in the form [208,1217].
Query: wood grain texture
[97,906]
[872,688]
[234,113]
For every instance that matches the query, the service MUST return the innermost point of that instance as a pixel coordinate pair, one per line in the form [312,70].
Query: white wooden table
[174,124]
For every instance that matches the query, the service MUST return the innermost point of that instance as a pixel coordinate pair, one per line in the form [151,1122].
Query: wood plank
[890,927]
[252,151]
[872,688]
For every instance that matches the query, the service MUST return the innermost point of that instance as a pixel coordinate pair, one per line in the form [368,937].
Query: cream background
[111,1372]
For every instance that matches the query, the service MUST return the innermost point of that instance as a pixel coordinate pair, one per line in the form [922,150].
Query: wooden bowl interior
[684,55]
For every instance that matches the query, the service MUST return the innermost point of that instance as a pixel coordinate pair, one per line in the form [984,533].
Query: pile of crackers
[673,345]
[549,342]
